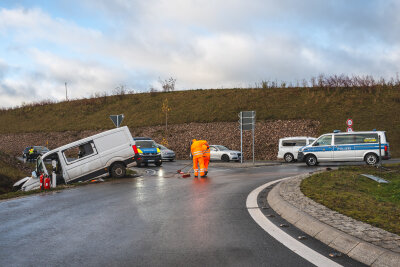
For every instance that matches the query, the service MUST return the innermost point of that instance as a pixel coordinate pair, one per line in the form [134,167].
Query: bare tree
[166,109]
[168,85]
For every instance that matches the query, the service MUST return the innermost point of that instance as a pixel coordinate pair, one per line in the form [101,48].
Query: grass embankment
[10,171]
[370,108]
[356,196]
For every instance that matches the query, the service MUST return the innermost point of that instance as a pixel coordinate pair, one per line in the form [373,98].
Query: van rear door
[117,144]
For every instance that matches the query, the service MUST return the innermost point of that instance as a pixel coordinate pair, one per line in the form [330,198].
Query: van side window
[324,141]
[366,138]
[299,142]
[78,152]
[288,143]
[344,139]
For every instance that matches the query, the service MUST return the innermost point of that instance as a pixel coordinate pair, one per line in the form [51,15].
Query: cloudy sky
[98,45]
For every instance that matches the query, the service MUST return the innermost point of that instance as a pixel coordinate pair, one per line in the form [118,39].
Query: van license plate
[151,160]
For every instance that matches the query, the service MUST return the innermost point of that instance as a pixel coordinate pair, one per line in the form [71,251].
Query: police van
[349,146]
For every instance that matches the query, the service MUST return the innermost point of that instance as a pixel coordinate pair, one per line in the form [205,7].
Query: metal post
[66,92]
[380,153]
[253,137]
[241,137]
[117,121]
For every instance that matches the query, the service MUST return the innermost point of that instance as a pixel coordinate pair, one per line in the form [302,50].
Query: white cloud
[204,44]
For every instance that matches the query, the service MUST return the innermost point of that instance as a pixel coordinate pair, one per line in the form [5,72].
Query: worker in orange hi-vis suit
[206,155]
[198,161]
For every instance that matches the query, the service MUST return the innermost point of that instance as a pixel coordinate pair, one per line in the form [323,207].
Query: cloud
[204,44]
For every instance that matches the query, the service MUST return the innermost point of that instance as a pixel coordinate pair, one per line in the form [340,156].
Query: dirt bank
[179,136]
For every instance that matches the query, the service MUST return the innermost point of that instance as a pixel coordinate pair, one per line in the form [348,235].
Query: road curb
[355,248]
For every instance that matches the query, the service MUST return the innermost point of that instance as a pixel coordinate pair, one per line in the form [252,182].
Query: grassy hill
[369,107]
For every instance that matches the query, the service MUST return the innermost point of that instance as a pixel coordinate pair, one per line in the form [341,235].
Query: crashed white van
[107,152]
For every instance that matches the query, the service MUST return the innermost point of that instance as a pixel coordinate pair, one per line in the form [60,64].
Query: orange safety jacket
[197,149]
[206,149]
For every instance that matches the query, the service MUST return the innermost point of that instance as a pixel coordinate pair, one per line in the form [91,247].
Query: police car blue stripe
[344,147]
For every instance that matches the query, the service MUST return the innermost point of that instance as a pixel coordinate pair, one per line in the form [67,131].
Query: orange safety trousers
[198,162]
[206,158]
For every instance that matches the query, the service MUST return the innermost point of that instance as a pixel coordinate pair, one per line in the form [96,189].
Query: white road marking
[288,241]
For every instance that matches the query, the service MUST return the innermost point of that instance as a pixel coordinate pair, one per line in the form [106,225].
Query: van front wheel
[311,160]
[118,170]
[371,159]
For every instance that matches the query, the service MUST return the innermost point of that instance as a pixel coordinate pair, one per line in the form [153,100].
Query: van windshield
[146,144]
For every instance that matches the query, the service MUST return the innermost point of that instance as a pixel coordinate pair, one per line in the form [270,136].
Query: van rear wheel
[118,170]
[289,157]
[371,159]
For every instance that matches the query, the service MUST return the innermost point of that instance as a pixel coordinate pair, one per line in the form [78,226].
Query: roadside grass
[369,107]
[9,172]
[356,196]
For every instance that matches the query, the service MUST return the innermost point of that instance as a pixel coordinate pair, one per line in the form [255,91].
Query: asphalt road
[159,219]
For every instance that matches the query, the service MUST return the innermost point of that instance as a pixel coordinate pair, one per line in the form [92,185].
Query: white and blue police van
[346,146]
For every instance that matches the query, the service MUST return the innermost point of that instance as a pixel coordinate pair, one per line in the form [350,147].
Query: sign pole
[241,137]
[253,145]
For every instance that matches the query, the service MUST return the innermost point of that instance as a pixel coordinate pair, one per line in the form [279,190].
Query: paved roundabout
[157,219]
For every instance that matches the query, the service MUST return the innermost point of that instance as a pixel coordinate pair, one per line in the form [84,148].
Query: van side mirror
[316,144]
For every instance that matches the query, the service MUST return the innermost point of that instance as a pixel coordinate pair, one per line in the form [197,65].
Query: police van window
[212,148]
[344,139]
[325,140]
[78,152]
[366,138]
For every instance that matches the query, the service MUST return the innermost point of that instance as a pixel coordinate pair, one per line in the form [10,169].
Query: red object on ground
[186,175]
[41,182]
[47,183]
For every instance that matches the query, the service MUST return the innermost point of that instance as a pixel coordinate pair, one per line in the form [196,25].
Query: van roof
[296,137]
[77,142]
[360,132]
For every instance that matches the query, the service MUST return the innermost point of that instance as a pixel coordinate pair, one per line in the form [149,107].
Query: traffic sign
[247,120]
[117,119]
[349,129]
[349,122]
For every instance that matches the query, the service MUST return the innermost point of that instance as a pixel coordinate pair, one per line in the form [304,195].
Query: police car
[349,146]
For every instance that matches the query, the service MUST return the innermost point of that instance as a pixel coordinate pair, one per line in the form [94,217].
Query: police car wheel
[289,157]
[311,160]
[371,159]
[118,170]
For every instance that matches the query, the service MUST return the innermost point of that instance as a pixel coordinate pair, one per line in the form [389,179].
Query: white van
[107,152]
[349,146]
[289,147]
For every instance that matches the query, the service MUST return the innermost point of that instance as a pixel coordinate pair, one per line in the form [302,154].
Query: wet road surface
[159,219]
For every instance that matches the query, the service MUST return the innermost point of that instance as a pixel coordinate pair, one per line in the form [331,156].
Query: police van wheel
[118,170]
[311,160]
[289,157]
[371,159]
[158,163]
